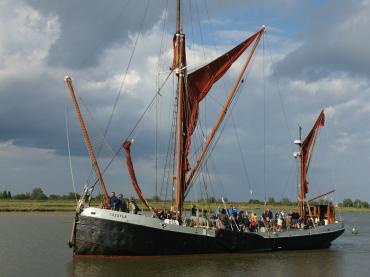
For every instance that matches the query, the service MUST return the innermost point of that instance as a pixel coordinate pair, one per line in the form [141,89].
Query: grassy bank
[69,206]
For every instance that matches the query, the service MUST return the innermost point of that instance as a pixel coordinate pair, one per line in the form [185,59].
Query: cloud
[88,29]
[334,43]
[93,44]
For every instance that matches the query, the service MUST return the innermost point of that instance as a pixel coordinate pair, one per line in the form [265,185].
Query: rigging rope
[127,68]
[242,156]
[68,145]
[280,97]
[157,99]
[135,126]
[264,118]
[120,88]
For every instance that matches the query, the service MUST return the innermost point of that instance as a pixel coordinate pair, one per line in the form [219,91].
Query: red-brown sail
[135,184]
[306,152]
[201,81]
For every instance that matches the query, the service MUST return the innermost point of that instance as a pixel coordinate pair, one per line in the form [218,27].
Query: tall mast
[180,72]
[87,140]
[305,154]
[301,175]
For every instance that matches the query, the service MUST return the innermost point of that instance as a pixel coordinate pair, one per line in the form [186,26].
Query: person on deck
[266,218]
[122,203]
[246,222]
[254,216]
[131,206]
[270,215]
[113,201]
[234,211]
[261,225]
[194,211]
[230,210]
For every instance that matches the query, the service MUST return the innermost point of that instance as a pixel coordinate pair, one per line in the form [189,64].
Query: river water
[35,244]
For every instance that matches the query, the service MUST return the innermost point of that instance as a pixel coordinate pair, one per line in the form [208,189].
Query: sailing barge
[102,231]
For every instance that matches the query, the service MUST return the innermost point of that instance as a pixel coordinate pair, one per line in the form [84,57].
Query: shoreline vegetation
[13,205]
[37,201]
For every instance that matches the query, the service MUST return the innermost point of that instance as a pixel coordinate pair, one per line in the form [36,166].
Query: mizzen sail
[307,150]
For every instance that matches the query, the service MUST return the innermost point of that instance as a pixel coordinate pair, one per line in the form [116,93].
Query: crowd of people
[235,219]
[121,204]
[230,218]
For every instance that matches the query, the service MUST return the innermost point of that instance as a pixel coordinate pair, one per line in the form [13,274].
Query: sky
[314,56]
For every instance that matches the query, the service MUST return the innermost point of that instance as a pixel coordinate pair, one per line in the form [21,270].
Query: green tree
[54,197]
[156,198]
[254,201]
[285,201]
[357,203]
[271,200]
[72,196]
[38,194]
[9,196]
[212,200]
[22,196]
[347,202]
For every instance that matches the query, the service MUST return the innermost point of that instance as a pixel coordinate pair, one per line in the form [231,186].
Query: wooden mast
[180,72]
[301,178]
[301,184]
[87,139]
[224,109]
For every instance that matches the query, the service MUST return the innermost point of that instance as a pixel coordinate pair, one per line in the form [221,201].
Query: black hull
[95,236]
[314,241]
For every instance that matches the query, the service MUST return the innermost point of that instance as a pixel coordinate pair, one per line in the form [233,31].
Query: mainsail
[191,90]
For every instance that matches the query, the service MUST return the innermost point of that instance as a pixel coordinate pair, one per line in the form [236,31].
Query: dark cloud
[335,41]
[93,45]
[88,28]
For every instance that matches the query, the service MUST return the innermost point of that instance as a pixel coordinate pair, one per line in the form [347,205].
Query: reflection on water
[35,244]
[287,263]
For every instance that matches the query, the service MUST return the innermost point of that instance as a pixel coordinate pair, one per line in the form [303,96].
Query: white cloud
[25,37]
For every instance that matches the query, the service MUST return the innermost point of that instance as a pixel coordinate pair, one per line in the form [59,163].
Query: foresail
[135,184]
[307,150]
[200,82]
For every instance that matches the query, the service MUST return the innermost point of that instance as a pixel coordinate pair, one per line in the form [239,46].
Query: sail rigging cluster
[192,88]
[200,82]
[306,150]
[136,232]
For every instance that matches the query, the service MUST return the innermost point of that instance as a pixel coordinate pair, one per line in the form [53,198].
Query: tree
[38,194]
[22,196]
[5,194]
[285,201]
[156,198]
[71,196]
[271,200]
[347,202]
[357,203]
[54,197]
[254,201]
[212,200]
[9,196]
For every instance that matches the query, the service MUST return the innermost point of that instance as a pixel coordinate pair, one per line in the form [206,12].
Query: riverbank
[70,206]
